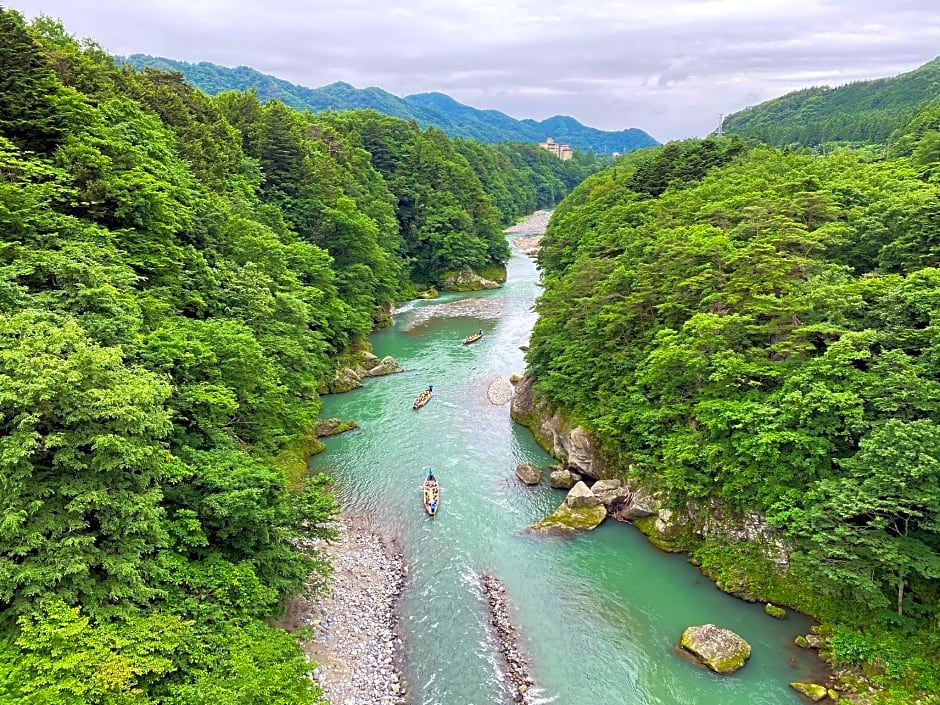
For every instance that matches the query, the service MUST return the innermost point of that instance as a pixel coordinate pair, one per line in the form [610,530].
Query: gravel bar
[504,633]
[356,646]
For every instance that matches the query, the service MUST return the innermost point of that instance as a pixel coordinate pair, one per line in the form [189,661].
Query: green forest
[744,329]
[179,274]
[860,113]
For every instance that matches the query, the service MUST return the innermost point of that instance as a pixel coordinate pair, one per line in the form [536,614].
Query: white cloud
[667,66]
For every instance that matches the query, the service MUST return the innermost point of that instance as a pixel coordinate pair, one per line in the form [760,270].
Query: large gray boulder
[612,493]
[640,504]
[387,366]
[528,473]
[721,650]
[580,496]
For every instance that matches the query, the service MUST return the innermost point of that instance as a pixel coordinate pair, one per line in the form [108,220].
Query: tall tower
[719,132]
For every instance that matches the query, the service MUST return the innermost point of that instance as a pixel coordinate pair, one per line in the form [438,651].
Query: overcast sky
[669,67]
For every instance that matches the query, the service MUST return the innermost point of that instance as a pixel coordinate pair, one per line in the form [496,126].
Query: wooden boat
[423,398]
[473,338]
[432,495]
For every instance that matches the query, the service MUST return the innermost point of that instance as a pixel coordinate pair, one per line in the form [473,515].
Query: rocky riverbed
[532,227]
[355,644]
[516,668]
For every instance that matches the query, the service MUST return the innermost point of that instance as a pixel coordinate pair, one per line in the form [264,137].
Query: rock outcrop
[581,511]
[367,364]
[333,427]
[721,650]
[467,280]
[573,445]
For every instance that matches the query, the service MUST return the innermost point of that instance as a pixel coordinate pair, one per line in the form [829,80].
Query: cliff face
[571,445]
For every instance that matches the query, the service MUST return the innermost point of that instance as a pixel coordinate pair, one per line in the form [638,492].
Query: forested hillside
[179,275]
[426,109]
[745,329]
[864,112]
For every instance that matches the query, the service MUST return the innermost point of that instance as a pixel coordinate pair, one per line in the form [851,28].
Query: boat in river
[423,398]
[432,494]
[473,338]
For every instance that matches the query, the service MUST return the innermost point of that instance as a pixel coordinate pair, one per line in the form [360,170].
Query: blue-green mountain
[427,109]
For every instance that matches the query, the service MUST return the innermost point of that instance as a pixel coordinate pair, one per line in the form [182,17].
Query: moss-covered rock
[774,611]
[665,530]
[721,650]
[567,519]
[811,691]
[333,427]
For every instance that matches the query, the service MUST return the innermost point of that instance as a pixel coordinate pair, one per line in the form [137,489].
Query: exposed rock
[367,359]
[573,445]
[567,521]
[834,695]
[355,641]
[812,641]
[429,294]
[333,427]
[534,223]
[612,493]
[344,380]
[751,527]
[515,378]
[499,392]
[563,479]
[811,691]
[721,650]
[639,504]
[529,473]
[387,366]
[775,612]
[467,280]
[800,641]
[514,663]
[528,246]
[580,496]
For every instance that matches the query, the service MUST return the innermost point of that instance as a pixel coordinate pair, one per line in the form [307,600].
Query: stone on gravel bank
[355,643]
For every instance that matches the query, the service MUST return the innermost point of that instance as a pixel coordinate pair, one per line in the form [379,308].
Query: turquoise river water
[599,616]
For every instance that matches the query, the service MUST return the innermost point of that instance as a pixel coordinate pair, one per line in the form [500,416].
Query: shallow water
[599,616]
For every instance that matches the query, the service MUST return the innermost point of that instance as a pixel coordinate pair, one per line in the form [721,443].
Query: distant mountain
[864,111]
[427,109]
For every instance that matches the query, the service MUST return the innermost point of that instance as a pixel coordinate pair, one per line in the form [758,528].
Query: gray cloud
[670,67]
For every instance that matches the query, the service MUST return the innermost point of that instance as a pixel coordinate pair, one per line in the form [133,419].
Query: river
[598,616]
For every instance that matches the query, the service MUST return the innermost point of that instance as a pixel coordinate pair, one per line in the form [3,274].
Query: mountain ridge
[431,109]
[867,112]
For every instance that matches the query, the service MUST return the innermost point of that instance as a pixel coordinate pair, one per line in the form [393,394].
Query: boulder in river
[811,691]
[721,650]
[528,473]
[581,511]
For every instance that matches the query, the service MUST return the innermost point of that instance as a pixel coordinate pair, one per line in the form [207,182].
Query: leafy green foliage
[760,328]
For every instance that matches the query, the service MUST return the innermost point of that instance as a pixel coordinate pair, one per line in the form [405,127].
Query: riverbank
[356,644]
[532,227]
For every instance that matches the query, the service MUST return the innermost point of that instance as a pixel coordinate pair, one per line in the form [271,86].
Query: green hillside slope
[427,109]
[865,111]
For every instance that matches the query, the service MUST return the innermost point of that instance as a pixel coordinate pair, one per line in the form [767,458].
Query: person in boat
[480,332]
[431,476]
